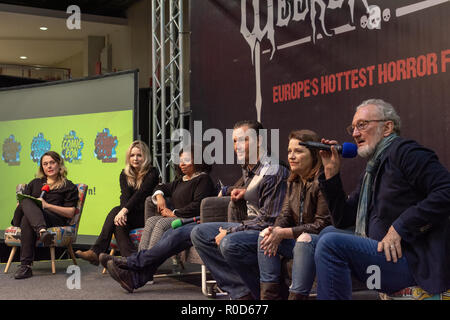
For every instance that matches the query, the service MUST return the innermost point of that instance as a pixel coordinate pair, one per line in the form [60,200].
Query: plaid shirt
[268,194]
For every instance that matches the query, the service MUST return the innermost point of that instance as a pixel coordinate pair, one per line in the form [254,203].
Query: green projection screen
[90,122]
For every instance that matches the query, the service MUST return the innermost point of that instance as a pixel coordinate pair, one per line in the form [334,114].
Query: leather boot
[270,291]
[88,255]
[297,296]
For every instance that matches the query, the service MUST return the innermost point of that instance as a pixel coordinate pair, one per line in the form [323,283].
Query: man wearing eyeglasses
[400,212]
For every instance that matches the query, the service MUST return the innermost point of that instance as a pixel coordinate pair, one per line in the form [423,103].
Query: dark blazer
[412,193]
[315,214]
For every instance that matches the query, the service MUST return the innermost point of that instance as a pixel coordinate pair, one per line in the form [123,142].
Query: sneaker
[23,272]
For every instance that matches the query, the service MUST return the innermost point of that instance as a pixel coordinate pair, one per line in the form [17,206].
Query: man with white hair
[401,211]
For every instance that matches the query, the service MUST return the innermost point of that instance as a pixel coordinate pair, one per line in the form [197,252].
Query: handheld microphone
[45,188]
[348,150]
[182,221]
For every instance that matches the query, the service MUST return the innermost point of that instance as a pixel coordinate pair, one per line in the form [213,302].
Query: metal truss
[167,74]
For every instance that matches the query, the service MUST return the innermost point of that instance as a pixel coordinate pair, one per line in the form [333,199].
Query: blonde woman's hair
[62,174]
[135,179]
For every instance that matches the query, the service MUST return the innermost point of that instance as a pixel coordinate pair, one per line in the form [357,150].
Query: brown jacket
[316,215]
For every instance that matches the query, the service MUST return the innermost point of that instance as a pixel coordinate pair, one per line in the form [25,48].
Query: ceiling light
[43,28]
[23,57]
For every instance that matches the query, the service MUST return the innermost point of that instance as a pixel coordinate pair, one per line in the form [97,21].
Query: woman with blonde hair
[137,181]
[58,208]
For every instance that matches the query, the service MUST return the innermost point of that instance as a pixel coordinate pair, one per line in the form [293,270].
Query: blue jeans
[233,264]
[144,264]
[303,267]
[339,255]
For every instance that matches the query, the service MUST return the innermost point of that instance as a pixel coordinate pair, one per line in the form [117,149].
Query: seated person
[186,194]
[138,269]
[400,209]
[229,249]
[58,208]
[137,181]
[304,214]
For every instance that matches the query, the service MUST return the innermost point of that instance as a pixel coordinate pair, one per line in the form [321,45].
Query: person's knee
[327,244]
[304,237]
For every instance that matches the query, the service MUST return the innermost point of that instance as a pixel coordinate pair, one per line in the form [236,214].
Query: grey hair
[386,110]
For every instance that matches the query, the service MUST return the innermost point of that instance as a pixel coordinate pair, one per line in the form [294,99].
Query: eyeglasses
[361,125]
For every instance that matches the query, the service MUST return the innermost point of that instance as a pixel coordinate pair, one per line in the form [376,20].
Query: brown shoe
[88,255]
[297,296]
[246,297]
[270,291]
[123,277]
[121,262]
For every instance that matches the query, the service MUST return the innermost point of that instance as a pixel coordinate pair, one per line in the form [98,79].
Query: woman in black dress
[58,208]
[137,182]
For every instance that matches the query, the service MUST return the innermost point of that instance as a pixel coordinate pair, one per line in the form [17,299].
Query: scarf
[365,195]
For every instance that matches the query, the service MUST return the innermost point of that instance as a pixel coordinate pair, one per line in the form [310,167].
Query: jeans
[234,263]
[339,255]
[144,264]
[303,267]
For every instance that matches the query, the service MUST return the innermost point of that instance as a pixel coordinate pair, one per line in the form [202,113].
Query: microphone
[45,188]
[182,221]
[348,150]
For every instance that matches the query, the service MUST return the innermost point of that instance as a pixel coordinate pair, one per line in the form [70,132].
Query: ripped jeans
[303,268]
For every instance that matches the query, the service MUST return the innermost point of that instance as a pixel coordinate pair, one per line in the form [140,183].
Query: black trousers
[31,218]
[126,246]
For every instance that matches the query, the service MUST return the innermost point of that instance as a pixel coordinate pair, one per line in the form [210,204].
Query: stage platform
[97,286]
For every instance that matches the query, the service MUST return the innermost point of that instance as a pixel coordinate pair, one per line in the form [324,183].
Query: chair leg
[72,254]
[52,255]
[204,291]
[10,259]
[111,253]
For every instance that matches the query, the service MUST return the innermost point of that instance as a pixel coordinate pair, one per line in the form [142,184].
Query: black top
[186,196]
[66,196]
[134,199]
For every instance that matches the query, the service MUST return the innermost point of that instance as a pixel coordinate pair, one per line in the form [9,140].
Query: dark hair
[198,167]
[305,135]
[252,124]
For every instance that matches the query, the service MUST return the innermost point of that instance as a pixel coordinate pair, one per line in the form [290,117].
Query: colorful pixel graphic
[105,146]
[39,146]
[11,151]
[71,147]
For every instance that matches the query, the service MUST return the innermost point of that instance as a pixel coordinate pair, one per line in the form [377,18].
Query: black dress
[31,218]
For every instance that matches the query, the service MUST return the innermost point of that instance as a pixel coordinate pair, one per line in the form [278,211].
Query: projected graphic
[71,147]
[75,137]
[105,146]
[39,146]
[11,151]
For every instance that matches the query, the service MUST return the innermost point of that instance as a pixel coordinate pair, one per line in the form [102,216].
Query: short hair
[386,110]
[198,167]
[252,124]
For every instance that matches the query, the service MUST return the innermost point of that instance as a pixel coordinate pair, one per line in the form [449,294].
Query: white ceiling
[20,35]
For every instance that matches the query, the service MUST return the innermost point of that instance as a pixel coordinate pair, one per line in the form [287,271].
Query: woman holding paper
[137,181]
[57,209]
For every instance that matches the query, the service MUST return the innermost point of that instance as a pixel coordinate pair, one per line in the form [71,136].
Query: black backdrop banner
[295,64]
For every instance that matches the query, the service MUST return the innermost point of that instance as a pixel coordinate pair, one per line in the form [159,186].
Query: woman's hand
[166,212]
[272,238]
[44,203]
[331,160]
[121,218]
[160,203]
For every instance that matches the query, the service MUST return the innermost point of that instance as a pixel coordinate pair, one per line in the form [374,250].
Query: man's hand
[391,245]
[331,160]
[237,194]
[222,233]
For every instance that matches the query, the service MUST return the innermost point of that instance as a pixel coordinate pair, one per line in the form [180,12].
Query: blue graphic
[39,146]
[71,146]
[11,151]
